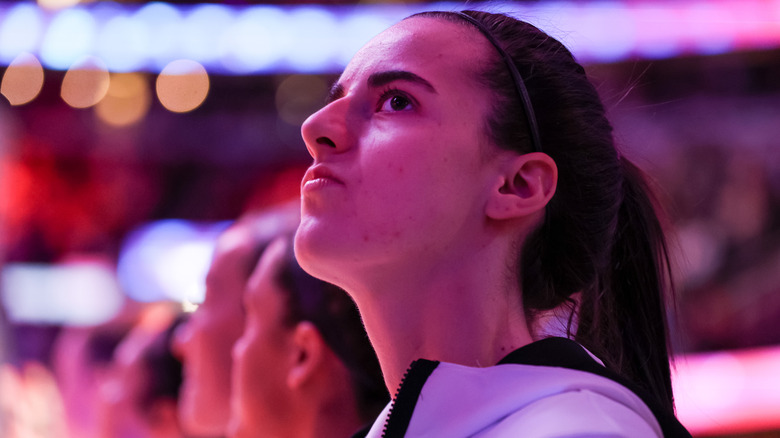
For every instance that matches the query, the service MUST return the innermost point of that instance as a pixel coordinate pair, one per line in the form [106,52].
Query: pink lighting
[609,31]
[290,39]
[729,391]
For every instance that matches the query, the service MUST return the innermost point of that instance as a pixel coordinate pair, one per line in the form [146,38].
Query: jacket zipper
[403,403]
[395,398]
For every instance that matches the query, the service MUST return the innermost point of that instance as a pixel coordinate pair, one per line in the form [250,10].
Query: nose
[325,132]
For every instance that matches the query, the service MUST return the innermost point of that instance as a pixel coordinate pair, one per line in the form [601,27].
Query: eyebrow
[336,92]
[385,77]
[382,78]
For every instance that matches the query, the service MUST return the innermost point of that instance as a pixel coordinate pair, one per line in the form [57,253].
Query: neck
[467,314]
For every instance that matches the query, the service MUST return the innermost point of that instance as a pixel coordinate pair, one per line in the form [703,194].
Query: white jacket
[517,400]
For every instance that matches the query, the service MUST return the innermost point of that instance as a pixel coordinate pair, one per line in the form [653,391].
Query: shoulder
[574,414]
[540,401]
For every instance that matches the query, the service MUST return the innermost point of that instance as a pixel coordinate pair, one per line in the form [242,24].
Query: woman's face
[400,172]
[260,398]
[205,341]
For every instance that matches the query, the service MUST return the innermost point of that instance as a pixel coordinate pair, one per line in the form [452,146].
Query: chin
[311,249]
[329,253]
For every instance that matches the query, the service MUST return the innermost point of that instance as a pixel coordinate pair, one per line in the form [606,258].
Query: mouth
[319,176]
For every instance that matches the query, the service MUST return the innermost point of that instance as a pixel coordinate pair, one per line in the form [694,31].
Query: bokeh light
[23,79]
[70,36]
[298,96]
[318,35]
[607,32]
[356,30]
[127,100]
[256,41]
[85,83]
[79,292]
[57,4]
[163,22]
[202,30]
[182,85]
[308,38]
[124,43]
[657,32]
[20,31]
[168,260]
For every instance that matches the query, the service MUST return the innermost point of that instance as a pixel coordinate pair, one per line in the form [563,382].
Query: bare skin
[404,208]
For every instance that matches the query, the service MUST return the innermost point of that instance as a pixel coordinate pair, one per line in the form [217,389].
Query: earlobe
[525,185]
[307,352]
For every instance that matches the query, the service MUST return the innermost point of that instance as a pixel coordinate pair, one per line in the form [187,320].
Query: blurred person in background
[81,362]
[204,343]
[304,366]
[142,391]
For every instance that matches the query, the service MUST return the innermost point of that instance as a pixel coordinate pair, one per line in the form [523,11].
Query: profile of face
[138,393]
[261,394]
[204,342]
[122,390]
[401,159]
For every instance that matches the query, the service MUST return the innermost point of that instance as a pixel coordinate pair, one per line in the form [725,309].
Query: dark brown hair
[163,368]
[601,235]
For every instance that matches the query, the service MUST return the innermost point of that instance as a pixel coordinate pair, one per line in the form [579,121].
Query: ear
[307,354]
[526,184]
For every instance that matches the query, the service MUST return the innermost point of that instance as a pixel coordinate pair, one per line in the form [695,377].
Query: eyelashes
[395,100]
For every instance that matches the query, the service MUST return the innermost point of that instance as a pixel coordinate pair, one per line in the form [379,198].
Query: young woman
[303,367]
[467,192]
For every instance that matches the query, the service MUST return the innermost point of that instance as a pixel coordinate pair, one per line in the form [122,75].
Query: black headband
[519,83]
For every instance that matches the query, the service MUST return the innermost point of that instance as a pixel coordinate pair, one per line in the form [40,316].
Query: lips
[318,176]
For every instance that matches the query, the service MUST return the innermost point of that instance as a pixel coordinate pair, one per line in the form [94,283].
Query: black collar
[550,352]
[565,353]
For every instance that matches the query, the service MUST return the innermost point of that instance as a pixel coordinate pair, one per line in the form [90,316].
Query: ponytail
[626,322]
[601,238]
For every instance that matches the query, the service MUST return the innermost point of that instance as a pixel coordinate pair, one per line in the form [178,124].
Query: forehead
[231,265]
[439,50]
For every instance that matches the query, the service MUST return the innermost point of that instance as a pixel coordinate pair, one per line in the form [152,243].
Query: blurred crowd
[271,351]
[716,163]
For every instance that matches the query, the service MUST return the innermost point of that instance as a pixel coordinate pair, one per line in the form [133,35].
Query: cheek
[409,179]
[219,332]
[391,174]
[251,378]
[246,348]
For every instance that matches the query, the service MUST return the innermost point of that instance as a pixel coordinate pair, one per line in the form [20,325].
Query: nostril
[326,141]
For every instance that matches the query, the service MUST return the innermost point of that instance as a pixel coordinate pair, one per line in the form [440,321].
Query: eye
[394,100]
